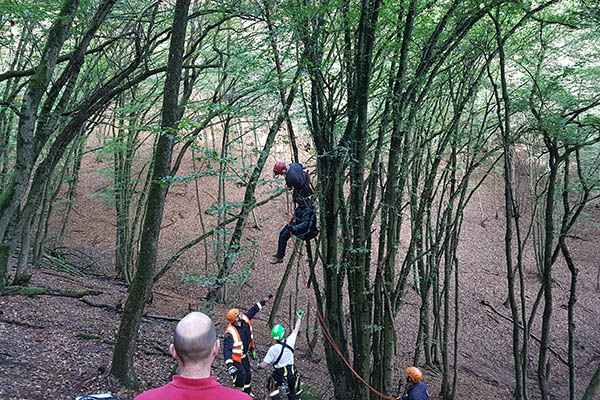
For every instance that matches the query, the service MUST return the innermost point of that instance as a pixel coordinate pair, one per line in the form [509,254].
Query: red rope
[326,332]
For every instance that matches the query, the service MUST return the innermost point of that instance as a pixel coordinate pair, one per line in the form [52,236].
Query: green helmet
[277,332]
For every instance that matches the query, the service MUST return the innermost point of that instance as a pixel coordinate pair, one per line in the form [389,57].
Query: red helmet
[279,168]
[414,374]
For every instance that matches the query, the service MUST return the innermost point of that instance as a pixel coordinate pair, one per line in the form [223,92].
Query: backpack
[311,231]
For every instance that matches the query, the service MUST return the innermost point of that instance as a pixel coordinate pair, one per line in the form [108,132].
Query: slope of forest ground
[58,347]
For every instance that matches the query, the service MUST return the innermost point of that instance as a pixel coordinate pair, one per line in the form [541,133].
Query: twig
[485,303]
[163,317]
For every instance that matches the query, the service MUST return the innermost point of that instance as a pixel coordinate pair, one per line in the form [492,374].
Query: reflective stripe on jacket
[237,352]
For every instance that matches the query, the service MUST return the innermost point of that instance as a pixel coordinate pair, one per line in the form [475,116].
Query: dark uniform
[303,224]
[232,349]
[416,391]
[298,180]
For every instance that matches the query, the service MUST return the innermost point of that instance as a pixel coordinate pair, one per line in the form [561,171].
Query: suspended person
[281,357]
[195,346]
[295,178]
[415,389]
[239,343]
[303,225]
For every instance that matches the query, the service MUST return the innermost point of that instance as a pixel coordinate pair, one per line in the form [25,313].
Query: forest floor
[57,347]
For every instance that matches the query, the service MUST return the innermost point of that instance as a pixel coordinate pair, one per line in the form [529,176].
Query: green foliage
[87,336]
[28,10]
[309,392]
[27,291]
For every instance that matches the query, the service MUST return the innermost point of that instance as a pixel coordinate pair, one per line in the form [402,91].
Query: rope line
[326,332]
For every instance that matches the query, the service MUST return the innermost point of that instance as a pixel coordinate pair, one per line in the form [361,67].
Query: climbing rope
[324,327]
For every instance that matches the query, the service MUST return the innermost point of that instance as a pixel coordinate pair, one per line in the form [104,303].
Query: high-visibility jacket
[237,352]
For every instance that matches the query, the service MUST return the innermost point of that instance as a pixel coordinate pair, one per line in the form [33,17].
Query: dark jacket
[297,179]
[301,219]
[243,330]
[304,223]
[416,391]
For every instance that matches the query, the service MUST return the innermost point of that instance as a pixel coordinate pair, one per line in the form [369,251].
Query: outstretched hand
[299,314]
[269,297]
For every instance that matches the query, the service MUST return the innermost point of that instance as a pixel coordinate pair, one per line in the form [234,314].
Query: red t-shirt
[181,388]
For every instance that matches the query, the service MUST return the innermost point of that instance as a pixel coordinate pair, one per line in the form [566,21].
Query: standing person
[281,357]
[295,178]
[303,225]
[239,343]
[195,346]
[416,389]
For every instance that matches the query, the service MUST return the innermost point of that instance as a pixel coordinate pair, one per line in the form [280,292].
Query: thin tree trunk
[19,182]
[509,202]
[71,191]
[277,60]
[594,387]
[233,247]
[122,362]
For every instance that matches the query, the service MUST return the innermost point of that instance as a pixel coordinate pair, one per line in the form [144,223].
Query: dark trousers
[289,376]
[284,236]
[242,379]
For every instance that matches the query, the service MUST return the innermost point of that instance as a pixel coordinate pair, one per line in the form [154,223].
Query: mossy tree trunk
[122,362]
[18,183]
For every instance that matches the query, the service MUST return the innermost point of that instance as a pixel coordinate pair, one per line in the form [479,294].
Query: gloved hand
[269,297]
[299,314]
[253,354]
[232,370]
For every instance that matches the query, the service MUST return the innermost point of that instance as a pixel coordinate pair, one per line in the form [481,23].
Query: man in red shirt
[195,346]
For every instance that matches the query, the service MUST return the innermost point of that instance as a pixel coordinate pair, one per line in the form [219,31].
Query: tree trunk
[594,387]
[509,211]
[17,186]
[122,362]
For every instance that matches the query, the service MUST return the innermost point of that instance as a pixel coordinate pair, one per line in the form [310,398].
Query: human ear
[215,351]
[173,352]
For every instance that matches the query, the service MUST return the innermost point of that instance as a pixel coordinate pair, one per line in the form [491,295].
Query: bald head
[194,338]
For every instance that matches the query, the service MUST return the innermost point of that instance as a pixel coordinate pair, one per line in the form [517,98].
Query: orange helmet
[232,314]
[414,374]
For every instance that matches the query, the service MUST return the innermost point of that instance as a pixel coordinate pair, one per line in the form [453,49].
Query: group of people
[195,344]
[238,347]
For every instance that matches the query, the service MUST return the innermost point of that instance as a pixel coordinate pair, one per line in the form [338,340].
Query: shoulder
[155,394]
[226,393]
[271,354]
[291,340]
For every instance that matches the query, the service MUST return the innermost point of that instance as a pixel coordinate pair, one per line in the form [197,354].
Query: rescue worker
[416,389]
[295,178]
[239,343]
[281,357]
[302,225]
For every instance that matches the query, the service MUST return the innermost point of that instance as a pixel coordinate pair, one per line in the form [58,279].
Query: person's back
[297,179]
[281,357]
[417,391]
[181,388]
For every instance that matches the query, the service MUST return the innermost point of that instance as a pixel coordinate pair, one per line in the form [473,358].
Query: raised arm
[257,307]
